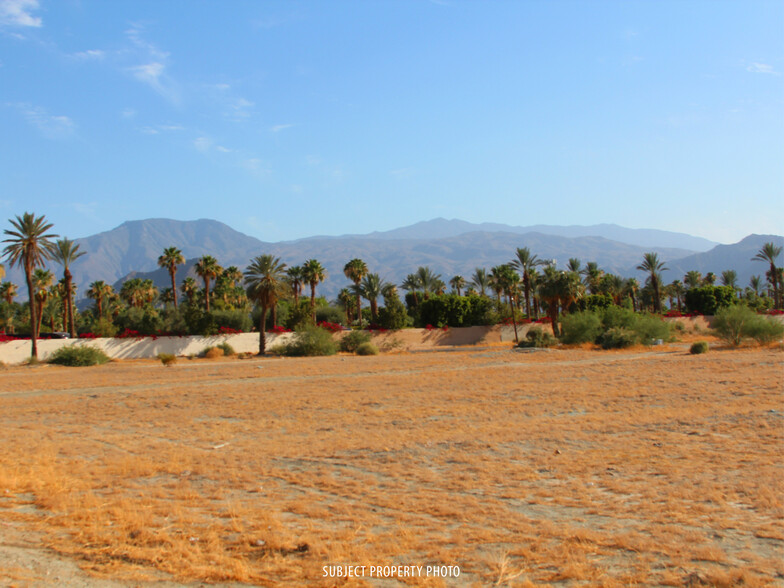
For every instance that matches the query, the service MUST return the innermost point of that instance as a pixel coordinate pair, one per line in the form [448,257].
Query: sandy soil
[568,467]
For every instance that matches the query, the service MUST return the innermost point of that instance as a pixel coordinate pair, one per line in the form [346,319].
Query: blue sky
[292,119]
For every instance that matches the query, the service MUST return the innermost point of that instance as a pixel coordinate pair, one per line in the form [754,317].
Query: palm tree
[189,288]
[457,283]
[574,265]
[768,253]
[171,258]
[65,253]
[42,280]
[652,265]
[525,263]
[507,279]
[100,291]
[346,298]
[480,281]
[29,245]
[730,278]
[8,291]
[372,287]
[355,270]
[692,279]
[677,290]
[295,280]
[755,283]
[265,281]
[2,272]
[709,279]
[593,276]
[313,273]
[207,268]
[429,282]
[411,284]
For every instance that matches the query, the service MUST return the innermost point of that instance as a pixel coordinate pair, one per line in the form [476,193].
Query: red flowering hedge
[228,331]
[331,327]
[278,330]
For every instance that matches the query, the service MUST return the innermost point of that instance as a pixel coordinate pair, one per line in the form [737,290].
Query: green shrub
[212,352]
[103,327]
[351,341]
[74,356]
[536,337]
[454,310]
[649,327]
[764,330]
[330,314]
[709,299]
[236,319]
[367,349]
[308,341]
[227,349]
[393,314]
[618,338]
[616,316]
[699,347]
[580,327]
[595,302]
[167,359]
[732,323]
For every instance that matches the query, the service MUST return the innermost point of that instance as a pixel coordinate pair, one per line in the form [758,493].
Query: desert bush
[78,356]
[731,322]
[330,314]
[103,327]
[699,347]
[453,310]
[367,348]
[536,337]
[167,359]
[308,341]
[351,341]
[765,330]
[227,349]
[393,314]
[618,338]
[212,352]
[595,302]
[580,327]
[236,319]
[649,327]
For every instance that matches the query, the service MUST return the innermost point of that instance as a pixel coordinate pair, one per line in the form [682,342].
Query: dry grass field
[569,467]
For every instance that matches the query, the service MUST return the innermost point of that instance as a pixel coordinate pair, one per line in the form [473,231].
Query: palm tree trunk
[313,301]
[174,286]
[359,308]
[374,309]
[207,293]
[33,315]
[262,331]
[514,321]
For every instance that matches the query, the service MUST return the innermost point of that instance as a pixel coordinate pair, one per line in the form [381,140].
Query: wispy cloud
[278,128]
[50,126]
[762,68]
[17,13]
[90,55]
[257,167]
[128,113]
[155,130]
[202,144]
[153,71]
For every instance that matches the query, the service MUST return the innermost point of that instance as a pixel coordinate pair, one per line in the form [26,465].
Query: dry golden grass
[640,467]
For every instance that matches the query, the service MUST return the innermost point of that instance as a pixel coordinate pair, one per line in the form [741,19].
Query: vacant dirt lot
[572,467]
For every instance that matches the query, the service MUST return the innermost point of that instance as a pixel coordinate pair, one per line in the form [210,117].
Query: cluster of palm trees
[267,280]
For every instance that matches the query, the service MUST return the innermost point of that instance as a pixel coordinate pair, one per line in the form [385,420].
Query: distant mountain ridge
[442,228]
[132,249]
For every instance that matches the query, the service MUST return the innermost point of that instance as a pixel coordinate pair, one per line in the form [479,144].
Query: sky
[293,119]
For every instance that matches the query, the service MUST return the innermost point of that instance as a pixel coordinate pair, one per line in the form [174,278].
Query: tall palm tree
[457,283]
[507,279]
[29,245]
[574,265]
[207,268]
[65,253]
[525,262]
[355,270]
[171,258]
[652,265]
[372,287]
[480,280]
[768,253]
[677,290]
[709,279]
[755,283]
[265,282]
[313,273]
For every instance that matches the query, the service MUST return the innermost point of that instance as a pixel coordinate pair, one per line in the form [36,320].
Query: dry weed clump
[635,467]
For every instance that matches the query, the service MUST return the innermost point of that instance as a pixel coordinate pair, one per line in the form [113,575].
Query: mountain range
[449,247]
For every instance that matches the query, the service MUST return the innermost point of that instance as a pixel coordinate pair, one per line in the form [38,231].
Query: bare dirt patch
[578,466]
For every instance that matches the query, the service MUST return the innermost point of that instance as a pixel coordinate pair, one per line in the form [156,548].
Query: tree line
[269,292]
